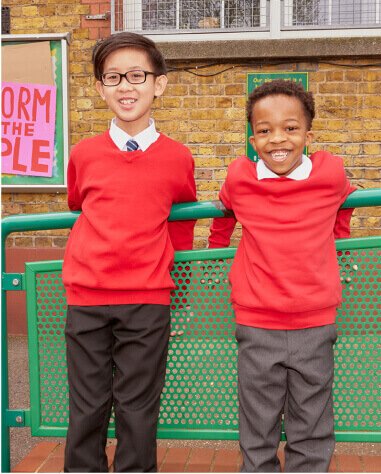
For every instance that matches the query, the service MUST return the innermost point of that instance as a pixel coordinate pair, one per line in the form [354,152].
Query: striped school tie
[132,145]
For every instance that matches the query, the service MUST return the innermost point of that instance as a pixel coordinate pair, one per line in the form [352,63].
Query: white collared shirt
[301,172]
[144,139]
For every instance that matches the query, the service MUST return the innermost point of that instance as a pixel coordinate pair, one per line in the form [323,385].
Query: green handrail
[63,220]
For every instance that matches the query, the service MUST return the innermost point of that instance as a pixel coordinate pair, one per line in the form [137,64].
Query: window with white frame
[211,16]
[168,16]
[331,12]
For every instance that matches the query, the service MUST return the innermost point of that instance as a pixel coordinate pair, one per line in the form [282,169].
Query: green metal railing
[199,270]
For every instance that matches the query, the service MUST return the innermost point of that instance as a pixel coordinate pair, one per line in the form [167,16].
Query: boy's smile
[131,103]
[280,132]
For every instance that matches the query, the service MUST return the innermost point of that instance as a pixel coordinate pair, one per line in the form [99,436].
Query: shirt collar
[144,139]
[301,172]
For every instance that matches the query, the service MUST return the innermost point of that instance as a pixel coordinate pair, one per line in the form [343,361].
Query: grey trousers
[286,373]
[115,355]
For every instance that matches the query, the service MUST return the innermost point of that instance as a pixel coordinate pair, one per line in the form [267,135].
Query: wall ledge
[264,50]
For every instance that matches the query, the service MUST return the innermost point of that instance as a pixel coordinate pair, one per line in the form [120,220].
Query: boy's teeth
[127,101]
[279,155]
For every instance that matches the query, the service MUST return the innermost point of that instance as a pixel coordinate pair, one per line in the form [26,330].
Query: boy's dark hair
[281,86]
[127,40]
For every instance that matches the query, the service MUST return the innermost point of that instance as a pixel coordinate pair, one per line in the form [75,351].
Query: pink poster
[28,114]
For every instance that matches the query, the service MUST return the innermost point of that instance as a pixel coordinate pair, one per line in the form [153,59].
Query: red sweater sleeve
[222,227]
[73,194]
[181,232]
[342,228]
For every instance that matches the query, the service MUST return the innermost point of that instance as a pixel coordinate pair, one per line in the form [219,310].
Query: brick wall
[207,113]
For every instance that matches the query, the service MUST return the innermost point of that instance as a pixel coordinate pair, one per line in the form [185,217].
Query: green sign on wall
[258,78]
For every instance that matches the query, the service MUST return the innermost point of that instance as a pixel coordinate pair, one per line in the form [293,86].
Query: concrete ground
[22,442]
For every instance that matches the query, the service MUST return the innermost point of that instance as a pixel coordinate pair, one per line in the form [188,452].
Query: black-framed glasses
[133,77]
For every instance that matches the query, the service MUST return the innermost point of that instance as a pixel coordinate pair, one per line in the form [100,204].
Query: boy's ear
[309,137]
[160,85]
[99,88]
[252,142]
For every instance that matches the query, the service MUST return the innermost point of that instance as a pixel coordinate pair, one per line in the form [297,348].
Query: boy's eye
[291,129]
[263,131]
[137,74]
[111,77]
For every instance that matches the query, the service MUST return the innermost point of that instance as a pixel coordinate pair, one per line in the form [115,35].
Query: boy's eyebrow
[263,122]
[132,68]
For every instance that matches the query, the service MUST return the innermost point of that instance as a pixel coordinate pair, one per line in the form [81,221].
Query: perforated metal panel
[200,395]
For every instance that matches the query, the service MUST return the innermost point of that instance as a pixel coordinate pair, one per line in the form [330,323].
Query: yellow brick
[189,102]
[29,11]
[84,104]
[202,137]
[340,137]
[356,76]
[372,149]
[372,75]
[372,173]
[334,76]
[176,89]
[234,137]
[236,89]
[63,21]
[28,23]
[208,186]
[220,174]
[370,113]
[81,127]
[372,124]
[237,126]
[369,136]
[224,150]
[171,102]
[240,102]
[206,102]
[206,162]
[210,114]
[207,150]
[369,87]
[223,102]
[372,101]
[352,149]
[352,101]
[367,160]
[173,114]
[64,9]
[77,68]
[213,89]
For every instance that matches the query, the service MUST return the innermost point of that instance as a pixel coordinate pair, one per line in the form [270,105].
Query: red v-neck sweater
[285,273]
[121,249]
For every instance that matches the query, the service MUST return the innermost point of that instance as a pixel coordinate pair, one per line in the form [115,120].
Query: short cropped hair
[117,41]
[282,87]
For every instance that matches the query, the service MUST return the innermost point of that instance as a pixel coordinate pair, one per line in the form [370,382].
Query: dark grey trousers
[115,355]
[290,373]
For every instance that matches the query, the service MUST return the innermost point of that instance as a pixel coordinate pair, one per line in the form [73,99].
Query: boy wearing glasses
[118,260]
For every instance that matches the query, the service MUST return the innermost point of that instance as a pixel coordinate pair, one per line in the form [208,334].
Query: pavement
[33,454]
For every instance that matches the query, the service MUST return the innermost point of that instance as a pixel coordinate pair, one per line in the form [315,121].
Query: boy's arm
[222,227]
[181,232]
[342,228]
[221,231]
[73,194]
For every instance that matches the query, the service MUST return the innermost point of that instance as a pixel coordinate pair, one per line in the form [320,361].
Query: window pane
[159,14]
[200,14]
[241,13]
[333,12]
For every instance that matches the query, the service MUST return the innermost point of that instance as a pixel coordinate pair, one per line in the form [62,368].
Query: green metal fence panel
[199,400]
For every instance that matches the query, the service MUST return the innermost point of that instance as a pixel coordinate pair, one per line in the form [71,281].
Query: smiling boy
[118,260]
[285,281]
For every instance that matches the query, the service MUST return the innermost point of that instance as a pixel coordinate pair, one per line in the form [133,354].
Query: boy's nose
[278,137]
[125,85]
